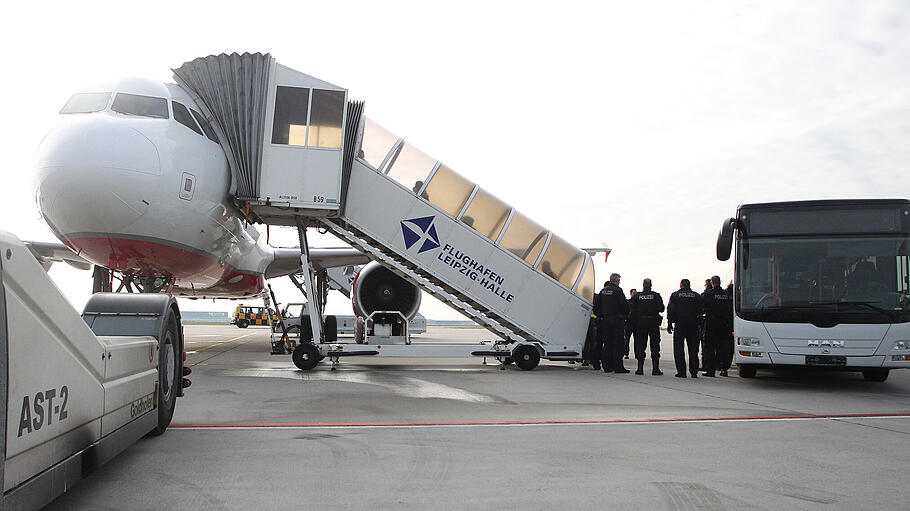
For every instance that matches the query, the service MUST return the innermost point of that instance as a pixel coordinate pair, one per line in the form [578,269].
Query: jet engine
[376,288]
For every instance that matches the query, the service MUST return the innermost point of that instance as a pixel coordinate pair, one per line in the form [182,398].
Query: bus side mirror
[725,239]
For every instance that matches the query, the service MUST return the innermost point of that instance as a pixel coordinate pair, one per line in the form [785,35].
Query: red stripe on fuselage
[196,274]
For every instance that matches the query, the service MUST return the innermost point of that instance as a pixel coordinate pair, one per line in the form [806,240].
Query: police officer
[683,310]
[612,312]
[590,353]
[645,308]
[630,326]
[701,326]
[718,328]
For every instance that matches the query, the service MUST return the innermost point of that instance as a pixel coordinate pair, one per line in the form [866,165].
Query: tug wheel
[168,378]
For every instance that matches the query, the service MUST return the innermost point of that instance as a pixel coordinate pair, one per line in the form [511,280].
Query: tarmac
[254,432]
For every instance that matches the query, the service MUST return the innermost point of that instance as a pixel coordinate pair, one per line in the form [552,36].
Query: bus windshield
[824,280]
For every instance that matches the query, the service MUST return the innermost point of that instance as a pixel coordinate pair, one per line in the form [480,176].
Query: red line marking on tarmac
[545,422]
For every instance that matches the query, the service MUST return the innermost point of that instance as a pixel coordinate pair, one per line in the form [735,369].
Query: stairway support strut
[315,307]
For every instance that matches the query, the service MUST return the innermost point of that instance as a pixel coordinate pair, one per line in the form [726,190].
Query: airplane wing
[287,260]
[47,253]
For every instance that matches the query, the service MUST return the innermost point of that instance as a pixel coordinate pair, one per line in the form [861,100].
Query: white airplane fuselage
[148,197]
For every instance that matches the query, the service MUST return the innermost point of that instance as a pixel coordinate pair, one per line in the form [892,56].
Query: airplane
[134,181]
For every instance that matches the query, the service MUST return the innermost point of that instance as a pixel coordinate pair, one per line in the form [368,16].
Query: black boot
[641,367]
[655,367]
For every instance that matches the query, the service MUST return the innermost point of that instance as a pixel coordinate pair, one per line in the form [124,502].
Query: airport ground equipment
[77,390]
[823,284]
[369,287]
[294,313]
[302,154]
[284,344]
[246,315]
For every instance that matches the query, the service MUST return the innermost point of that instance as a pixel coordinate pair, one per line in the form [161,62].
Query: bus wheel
[878,375]
[747,371]
[242,323]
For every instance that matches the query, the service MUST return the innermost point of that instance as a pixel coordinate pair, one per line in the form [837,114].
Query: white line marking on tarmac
[401,385]
[217,343]
[526,424]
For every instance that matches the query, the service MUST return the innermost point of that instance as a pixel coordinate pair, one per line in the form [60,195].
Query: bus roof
[825,203]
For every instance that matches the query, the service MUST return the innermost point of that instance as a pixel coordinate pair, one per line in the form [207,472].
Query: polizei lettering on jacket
[470,268]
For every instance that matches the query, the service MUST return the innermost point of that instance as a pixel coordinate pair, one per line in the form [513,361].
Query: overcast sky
[637,124]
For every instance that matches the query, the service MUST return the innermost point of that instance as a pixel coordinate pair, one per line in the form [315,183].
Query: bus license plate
[826,360]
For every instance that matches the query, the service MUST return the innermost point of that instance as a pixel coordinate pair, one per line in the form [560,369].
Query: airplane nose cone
[99,142]
[91,174]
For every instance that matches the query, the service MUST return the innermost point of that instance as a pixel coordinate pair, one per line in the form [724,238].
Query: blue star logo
[420,229]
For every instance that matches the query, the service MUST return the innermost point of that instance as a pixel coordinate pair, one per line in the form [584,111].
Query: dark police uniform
[593,341]
[683,310]
[612,312]
[646,307]
[701,326]
[628,332]
[718,347]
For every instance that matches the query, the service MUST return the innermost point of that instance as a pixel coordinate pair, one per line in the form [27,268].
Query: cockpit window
[182,115]
[209,132]
[146,106]
[83,103]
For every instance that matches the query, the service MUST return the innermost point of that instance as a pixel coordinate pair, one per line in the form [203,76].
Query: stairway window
[586,286]
[376,144]
[524,237]
[486,214]
[326,119]
[448,190]
[411,165]
[562,262]
[291,108]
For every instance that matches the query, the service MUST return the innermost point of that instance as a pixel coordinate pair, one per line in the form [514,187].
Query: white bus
[822,284]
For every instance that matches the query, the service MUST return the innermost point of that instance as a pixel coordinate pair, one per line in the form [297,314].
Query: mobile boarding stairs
[302,154]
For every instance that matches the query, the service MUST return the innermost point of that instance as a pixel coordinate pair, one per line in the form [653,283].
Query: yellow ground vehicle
[246,315]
